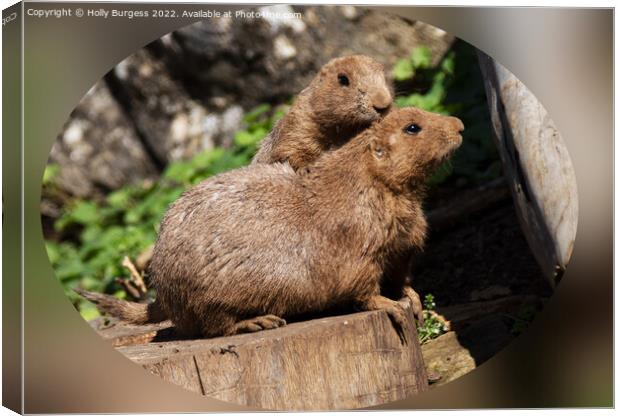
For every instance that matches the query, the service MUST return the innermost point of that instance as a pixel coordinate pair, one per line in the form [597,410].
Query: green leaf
[89,313]
[180,172]
[120,294]
[429,302]
[90,283]
[244,138]
[53,251]
[71,269]
[421,57]
[133,216]
[50,172]
[204,159]
[227,162]
[403,70]
[91,233]
[120,198]
[85,212]
[256,112]
[447,65]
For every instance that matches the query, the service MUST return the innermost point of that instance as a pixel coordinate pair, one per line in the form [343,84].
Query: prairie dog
[246,249]
[346,96]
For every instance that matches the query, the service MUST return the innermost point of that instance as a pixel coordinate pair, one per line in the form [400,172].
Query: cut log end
[338,362]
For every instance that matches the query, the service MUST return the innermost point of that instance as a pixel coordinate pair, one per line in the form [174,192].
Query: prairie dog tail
[132,312]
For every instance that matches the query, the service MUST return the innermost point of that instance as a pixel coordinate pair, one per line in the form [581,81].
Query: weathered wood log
[447,359]
[537,164]
[336,362]
[478,331]
[121,334]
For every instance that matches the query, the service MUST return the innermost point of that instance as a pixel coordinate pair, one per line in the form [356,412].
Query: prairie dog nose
[381,100]
[457,124]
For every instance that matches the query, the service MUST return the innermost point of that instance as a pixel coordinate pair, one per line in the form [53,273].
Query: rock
[389,38]
[283,48]
[172,125]
[221,128]
[253,61]
[98,149]
[240,61]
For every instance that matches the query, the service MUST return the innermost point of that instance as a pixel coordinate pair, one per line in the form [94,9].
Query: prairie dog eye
[413,129]
[343,80]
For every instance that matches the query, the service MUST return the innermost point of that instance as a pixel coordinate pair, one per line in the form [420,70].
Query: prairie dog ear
[378,150]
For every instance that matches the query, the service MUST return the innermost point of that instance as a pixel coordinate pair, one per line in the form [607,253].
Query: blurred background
[198,102]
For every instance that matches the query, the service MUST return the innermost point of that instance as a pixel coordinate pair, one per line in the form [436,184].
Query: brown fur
[135,313]
[327,114]
[243,249]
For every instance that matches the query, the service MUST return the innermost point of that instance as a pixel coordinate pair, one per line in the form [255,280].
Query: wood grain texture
[447,358]
[339,362]
[538,166]
[120,333]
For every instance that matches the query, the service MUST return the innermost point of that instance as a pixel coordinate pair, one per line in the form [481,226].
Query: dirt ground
[485,257]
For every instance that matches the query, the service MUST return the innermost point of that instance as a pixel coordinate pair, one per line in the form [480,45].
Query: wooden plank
[537,165]
[338,362]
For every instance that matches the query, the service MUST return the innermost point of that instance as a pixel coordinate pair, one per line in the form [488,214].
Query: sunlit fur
[327,114]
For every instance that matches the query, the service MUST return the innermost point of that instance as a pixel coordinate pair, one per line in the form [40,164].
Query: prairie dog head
[409,143]
[350,92]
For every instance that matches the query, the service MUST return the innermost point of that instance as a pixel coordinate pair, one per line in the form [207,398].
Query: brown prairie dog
[347,95]
[244,250]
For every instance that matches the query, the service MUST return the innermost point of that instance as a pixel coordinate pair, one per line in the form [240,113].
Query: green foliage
[406,68]
[96,236]
[50,173]
[454,87]
[421,57]
[433,326]
[403,70]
